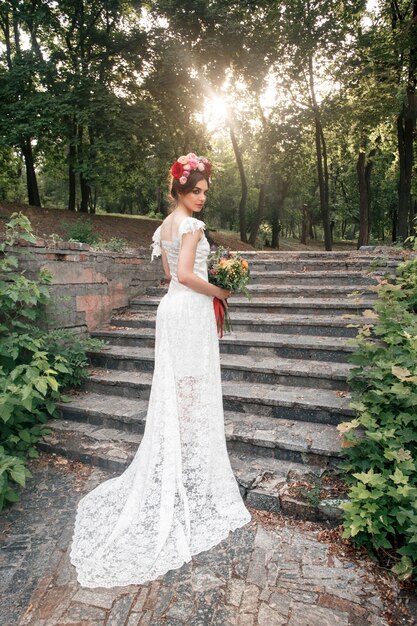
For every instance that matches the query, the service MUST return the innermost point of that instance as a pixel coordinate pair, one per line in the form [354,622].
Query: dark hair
[177,189]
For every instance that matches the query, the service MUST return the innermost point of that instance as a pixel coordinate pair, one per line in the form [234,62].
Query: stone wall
[88,285]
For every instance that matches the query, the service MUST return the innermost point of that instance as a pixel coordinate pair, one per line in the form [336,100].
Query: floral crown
[183,167]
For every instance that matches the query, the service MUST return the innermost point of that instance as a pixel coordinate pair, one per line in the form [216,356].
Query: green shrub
[12,468]
[115,244]
[381,457]
[62,344]
[82,231]
[264,236]
[153,214]
[34,364]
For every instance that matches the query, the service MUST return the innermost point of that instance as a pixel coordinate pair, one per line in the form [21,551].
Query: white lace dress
[179,496]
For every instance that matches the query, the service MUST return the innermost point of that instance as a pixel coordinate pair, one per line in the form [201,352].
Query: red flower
[177,170]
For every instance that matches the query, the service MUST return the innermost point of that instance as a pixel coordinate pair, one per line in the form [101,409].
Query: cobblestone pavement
[272,572]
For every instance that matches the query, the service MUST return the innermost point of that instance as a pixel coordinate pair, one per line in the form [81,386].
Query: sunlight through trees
[308,109]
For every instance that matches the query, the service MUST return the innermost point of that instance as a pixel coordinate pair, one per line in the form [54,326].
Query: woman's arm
[185,273]
[165,264]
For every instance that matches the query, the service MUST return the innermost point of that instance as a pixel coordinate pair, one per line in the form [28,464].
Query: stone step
[298,278]
[293,291]
[289,306]
[322,325]
[285,371]
[255,369]
[262,480]
[322,264]
[326,406]
[255,345]
[315,254]
[124,414]
[294,440]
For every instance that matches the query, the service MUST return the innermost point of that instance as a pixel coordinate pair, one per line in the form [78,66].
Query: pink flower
[187,167]
[183,180]
[205,161]
[200,167]
[186,173]
[193,163]
[183,160]
[191,155]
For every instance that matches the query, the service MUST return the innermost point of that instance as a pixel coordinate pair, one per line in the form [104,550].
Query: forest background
[307,109]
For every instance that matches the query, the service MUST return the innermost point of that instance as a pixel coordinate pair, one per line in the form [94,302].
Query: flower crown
[183,167]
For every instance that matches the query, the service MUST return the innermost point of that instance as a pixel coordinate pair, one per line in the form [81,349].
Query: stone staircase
[284,371]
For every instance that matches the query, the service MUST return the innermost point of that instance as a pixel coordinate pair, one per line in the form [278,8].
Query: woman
[179,496]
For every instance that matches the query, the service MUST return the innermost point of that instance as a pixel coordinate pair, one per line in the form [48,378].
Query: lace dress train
[179,496]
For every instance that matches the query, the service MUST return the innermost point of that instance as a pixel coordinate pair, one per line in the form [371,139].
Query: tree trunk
[343,228]
[394,222]
[93,204]
[275,229]
[332,225]
[259,214]
[323,184]
[72,157]
[404,188]
[85,190]
[413,215]
[243,183]
[406,122]
[71,188]
[321,155]
[412,113]
[85,194]
[31,181]
[364,171]
[326,181]
[281,193]
[305,225]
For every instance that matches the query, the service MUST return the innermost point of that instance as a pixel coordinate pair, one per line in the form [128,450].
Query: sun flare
[214,113]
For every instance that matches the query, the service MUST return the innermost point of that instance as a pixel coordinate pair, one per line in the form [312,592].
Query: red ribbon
[219,313]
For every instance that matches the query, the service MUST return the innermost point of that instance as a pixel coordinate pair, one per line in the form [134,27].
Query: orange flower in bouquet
[227,270]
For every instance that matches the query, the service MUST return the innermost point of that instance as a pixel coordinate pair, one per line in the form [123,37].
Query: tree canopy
[306,108]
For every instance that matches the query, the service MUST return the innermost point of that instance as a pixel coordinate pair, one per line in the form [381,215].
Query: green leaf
[18,475]
[52,383]
[25,436]
[398,477]
[404,568]
[370,478]
[11,495]
[358,406]
[41,386]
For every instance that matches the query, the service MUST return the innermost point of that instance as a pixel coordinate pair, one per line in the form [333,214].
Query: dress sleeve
[156,243]
[190,225]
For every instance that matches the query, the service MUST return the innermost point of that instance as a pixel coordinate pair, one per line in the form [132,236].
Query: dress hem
[177,565]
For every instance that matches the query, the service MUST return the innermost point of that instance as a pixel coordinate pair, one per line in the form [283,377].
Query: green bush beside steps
[381,442]
[36,365]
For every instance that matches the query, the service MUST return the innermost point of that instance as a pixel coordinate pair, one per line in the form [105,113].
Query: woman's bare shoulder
[166,227]
[171,225]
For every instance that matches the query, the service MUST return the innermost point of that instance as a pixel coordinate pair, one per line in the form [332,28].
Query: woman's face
[194,200]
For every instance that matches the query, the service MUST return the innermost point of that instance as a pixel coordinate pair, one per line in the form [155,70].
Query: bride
[179,496]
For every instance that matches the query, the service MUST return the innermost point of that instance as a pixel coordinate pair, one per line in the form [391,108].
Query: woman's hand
[223,294]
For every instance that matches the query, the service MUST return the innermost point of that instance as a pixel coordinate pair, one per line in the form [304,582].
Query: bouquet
[227,270]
